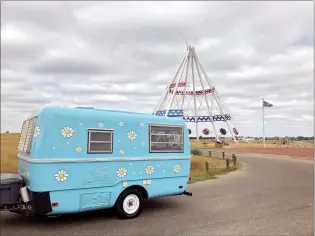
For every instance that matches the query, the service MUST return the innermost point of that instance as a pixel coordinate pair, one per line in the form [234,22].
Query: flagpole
[263,119]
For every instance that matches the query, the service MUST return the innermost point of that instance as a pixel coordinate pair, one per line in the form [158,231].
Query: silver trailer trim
[86,159]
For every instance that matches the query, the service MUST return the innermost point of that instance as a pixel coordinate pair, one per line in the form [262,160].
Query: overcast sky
[121,55]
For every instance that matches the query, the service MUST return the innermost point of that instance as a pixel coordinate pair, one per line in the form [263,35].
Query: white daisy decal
[101,125]
[121,124]
[149,170]
[67,132]
[132,135]
[176,168]
[61,176]
[78,149]
[121,152]
[36,131]
[141,124]
[121,172]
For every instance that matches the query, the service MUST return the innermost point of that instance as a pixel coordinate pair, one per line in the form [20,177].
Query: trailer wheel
[129,204]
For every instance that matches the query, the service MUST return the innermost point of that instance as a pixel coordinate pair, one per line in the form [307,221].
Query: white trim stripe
[31,160]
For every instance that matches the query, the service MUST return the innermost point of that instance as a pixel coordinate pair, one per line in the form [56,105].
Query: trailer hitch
[187,193]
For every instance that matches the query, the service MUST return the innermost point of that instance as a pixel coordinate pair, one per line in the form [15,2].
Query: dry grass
[202,144]
[198,165]
[9,161]
[216,167]
[272,143]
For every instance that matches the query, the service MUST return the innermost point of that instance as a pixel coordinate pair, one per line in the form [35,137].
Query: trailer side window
[164,138]
[100,141]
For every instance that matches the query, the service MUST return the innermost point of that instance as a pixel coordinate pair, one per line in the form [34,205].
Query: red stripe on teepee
[181,84]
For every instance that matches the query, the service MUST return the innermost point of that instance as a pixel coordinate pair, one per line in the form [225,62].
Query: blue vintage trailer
[82,159]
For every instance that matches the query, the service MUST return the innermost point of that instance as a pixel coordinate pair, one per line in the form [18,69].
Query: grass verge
[217,166]
[213,173]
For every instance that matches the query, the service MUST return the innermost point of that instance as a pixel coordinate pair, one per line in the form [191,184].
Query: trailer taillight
[54,204]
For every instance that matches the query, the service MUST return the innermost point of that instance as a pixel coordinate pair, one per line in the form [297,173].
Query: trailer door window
[100,141]
[164,138]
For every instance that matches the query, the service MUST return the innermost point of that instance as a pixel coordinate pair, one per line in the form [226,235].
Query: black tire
[135,199]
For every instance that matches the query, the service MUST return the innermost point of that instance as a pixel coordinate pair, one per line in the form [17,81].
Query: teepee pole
[215,97]
[207,102]
[177,82]
[222,113]
[227,121]
[167,88]
[194,93]
[186,76]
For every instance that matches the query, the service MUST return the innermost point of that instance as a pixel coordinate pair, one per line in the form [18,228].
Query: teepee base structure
[191,96]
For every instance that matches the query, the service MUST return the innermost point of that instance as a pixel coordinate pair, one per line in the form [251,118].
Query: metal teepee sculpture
[191,95]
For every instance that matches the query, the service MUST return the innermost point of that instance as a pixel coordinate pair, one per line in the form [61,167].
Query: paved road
[270,196]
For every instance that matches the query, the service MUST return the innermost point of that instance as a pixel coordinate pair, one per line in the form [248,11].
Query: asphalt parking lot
[269,196]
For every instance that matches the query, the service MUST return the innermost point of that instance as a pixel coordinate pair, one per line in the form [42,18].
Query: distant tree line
[298,138]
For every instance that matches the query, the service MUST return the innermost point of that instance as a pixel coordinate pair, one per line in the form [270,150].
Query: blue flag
[267,104]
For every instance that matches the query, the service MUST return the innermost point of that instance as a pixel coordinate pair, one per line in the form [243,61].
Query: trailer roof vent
[85,107]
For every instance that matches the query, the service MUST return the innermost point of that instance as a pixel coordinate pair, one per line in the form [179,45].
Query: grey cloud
[21,52]
[50,16]
[70,66]
[15,100]
[118,55]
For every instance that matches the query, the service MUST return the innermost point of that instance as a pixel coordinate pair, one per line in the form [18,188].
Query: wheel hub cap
[131,204]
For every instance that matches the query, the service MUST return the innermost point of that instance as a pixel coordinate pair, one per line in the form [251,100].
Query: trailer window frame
[182,142]
[89,141]
[27,135]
